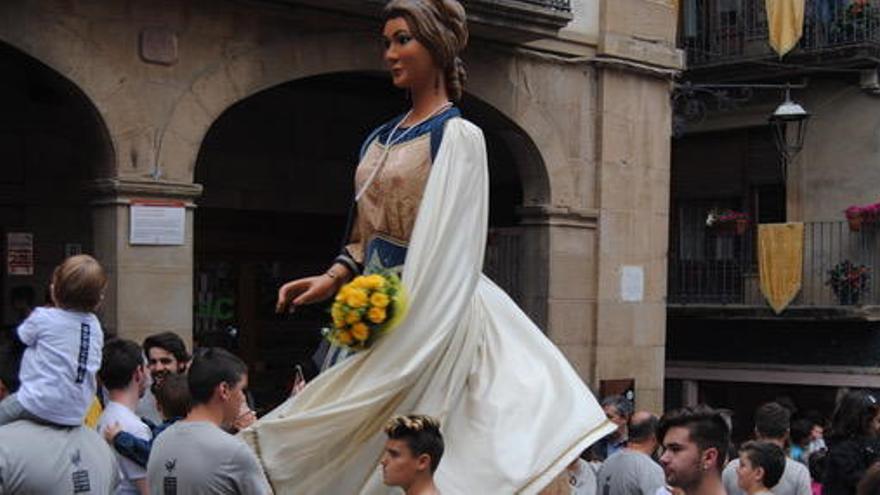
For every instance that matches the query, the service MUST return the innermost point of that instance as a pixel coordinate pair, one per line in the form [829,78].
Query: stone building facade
[725,345]
[249,115]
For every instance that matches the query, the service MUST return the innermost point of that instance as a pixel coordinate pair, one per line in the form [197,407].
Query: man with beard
[166,354]
[695,441]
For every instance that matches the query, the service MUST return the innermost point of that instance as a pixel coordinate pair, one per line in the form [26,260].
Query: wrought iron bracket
[691,102]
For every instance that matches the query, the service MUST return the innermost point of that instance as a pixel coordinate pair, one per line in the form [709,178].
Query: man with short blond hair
[412,453]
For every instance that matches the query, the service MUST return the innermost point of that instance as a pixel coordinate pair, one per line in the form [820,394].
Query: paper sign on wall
[157,223]
[632,283]
[19,253]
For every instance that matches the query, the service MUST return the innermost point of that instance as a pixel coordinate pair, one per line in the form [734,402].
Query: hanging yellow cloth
[94,412]
[780,262]
[785,22]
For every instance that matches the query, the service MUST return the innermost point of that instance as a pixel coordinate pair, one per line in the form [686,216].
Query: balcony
[716,274]
[729,33]
[511,20]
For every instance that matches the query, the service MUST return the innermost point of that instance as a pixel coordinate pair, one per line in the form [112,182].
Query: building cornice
[558,216]
[116,190]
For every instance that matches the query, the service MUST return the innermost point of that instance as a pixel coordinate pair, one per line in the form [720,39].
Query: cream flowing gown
[514,413]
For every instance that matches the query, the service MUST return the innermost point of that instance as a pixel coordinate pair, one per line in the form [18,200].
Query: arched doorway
[277,173]
[52,141]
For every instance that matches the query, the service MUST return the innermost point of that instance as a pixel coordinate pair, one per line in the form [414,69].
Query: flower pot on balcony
[855,223]
[735,227]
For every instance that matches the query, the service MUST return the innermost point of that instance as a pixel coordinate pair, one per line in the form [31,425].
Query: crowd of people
[120,417]
[689,451]
[81,415]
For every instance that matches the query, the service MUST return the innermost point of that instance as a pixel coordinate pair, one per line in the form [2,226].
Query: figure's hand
[111,431]
[305,291]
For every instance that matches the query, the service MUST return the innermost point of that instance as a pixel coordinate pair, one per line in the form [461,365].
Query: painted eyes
[399,39]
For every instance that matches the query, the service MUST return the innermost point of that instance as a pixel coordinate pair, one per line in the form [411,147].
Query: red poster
[19,253]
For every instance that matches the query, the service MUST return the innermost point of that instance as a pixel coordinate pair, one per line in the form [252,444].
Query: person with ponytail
[514,412]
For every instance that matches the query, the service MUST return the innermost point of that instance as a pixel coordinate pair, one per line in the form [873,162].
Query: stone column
[561,256]
[151,287]
[634,156]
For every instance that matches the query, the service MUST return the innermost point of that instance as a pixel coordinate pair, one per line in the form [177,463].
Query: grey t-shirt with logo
[38,458]
[629,473]
[197,457]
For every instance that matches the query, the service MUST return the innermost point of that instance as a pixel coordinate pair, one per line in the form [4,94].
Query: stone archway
[248,73]
[277,169]
[52,143]
[537,148]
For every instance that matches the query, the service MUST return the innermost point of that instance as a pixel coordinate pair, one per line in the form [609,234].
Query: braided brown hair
[441,26]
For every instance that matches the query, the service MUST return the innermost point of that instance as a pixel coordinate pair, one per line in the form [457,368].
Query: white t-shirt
[129,470]
[582,478]
[629,472]
[146,407]
[59,365]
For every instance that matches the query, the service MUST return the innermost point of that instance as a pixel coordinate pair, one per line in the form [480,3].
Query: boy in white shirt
[63,349]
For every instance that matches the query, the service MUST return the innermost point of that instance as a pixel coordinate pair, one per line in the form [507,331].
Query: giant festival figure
[514,411]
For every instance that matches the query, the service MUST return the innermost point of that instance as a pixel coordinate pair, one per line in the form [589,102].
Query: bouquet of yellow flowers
[365,309]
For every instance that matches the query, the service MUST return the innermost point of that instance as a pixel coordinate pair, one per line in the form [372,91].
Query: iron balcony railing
[724,31]
[719,268]
[560,5]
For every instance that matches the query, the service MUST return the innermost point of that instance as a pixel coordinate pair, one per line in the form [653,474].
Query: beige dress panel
[389,207]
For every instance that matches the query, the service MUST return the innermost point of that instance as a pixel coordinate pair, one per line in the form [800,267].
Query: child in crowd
[63,351]
[760,467]
[173,403]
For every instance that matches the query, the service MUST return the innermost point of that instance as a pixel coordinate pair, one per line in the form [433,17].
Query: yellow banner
[785,22]
[780,262]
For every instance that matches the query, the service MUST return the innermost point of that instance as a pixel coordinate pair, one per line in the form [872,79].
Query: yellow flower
[359,282]
[376,315]
[336,311]
[375,281]
[352,317]
[344,337]
[357,298]
[360,331]
[342,294]
[337,314]
[379,300]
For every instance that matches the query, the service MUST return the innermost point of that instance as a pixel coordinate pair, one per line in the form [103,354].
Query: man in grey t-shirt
[632,471]
[195,456]
[39,458]
[771,425]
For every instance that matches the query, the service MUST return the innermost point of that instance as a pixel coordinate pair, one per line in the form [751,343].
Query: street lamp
[789,123]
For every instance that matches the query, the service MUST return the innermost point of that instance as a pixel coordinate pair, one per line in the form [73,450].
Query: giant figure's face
[409,61]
